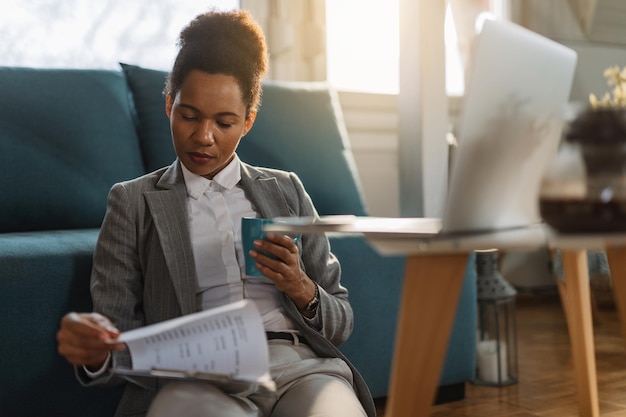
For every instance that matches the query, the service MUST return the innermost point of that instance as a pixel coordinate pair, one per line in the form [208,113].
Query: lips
[200,158]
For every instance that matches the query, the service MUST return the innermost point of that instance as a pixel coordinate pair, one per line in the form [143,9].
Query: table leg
[617,262]
[432,285]
[576,298]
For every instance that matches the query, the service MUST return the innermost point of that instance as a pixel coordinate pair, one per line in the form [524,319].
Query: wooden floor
[546,384]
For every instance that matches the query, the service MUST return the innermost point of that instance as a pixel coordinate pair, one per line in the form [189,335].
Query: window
[363,47]
[362,42]
[95,34]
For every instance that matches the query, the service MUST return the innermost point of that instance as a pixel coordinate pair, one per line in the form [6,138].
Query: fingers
[90,326]
[86,339]
[103,322]
[277,271]
[278,259]
[281,246]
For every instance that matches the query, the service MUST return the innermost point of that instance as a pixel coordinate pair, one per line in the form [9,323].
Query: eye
[188,117]
[224,125]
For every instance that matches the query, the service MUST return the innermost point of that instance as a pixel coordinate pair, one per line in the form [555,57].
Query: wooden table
[433,279]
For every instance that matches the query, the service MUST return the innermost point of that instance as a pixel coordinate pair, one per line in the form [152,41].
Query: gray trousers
[307,386]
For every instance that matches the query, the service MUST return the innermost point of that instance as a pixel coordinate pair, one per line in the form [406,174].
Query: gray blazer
[144,271]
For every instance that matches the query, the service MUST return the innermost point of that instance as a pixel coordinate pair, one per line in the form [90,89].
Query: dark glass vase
[591,197]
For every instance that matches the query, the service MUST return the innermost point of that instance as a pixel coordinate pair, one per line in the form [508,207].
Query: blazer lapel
[168,207]
[264,193]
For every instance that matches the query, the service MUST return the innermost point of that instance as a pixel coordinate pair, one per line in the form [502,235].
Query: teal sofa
[66,135]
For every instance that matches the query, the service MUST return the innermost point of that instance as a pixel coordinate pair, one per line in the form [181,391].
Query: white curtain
[295,31]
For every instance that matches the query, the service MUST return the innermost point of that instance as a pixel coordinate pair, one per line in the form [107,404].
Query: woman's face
[207,119]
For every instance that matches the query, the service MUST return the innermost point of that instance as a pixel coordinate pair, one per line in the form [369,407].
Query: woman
[170,245]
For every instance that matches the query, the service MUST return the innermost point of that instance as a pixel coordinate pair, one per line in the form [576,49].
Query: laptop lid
[509,128]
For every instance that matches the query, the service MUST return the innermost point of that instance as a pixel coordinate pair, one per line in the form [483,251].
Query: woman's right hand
[87,339]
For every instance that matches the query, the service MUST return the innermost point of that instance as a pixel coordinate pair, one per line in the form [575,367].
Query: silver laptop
[510,128]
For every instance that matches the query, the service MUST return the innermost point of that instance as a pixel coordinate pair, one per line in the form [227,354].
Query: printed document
[227,343]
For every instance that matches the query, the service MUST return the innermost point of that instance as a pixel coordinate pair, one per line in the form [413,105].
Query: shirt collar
[227,178]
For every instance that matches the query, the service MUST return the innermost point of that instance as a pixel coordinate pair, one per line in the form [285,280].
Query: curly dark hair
[223,42]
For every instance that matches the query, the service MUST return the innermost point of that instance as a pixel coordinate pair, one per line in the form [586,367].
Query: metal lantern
[496,360]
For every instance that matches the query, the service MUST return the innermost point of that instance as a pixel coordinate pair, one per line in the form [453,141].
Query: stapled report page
[222,344]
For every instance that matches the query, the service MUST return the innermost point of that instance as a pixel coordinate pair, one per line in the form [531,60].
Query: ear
[249,122]
[169,102]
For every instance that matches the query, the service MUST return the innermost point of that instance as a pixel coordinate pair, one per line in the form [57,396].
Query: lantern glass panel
[496,361]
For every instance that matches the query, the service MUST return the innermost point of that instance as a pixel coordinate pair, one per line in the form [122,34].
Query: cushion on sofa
[153,127]
[311,141]
[67,137]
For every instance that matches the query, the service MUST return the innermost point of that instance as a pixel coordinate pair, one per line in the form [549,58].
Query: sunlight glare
[455,78]
[362,39]
[363,46]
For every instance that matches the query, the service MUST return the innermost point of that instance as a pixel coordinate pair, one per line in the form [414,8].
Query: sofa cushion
[299,128]
[153,127]
[65,137]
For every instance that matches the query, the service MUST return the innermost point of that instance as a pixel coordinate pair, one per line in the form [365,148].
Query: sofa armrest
[45,275]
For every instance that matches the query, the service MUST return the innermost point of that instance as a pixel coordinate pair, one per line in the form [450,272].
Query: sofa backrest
[65,137]
[299,128]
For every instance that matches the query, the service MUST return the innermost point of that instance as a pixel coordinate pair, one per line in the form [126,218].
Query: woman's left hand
[285,270]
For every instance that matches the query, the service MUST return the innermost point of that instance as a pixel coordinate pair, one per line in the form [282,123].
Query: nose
[205,133]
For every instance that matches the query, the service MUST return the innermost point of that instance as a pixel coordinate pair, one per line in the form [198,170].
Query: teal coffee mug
[251,230]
